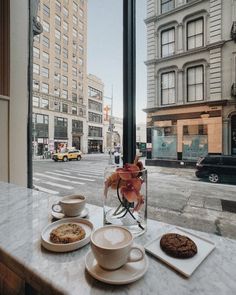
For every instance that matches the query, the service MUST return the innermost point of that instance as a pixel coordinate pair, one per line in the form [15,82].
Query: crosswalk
[66,179]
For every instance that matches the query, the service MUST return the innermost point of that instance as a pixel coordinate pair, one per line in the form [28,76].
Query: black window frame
[187,30]
[165,73]
[203,96]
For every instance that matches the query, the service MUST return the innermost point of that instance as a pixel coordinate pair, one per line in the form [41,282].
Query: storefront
[95,146]
[186,133]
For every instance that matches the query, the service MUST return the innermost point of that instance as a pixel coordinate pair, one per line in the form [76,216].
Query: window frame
[187,84]
[162,32]
[187,30]
[165,2]
[161,83]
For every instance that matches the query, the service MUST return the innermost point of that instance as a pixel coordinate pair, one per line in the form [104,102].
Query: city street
[175,196]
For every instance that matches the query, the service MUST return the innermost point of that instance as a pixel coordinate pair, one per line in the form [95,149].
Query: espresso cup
[112,246]
[71,205]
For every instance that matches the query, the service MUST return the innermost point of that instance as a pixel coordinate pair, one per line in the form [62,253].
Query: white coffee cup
[112,246]
[71,205]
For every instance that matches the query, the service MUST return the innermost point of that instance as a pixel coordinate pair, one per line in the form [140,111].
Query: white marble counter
[23,215]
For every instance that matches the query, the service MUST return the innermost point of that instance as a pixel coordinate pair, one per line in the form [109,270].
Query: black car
[217,168]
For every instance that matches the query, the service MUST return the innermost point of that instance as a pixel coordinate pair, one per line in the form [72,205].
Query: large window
[195,33]
[40,125]
[167,5]
[93,117]
[60,127]
[168,42]
[94,105]
[195,83]
[95,131]
[168,88]
[77,126]
[94,93]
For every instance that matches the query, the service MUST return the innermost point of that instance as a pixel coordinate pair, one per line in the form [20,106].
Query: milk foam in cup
[112,246]
[71,205]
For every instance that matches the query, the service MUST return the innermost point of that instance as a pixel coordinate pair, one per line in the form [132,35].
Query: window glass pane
[171,35]
[199,92]
[191,93]
[199,78]
[198,41]
[191,42]
[199,26]
[165,96]
[165,50]
[191,76]
[191,29]
[171,78]
[165,37]
[172,95]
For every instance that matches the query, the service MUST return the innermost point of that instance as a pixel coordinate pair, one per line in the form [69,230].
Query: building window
[46,26]
[195,83]
[81,37]
[36,69]
[36,52]
[168,88]
[45,88]
[56,91]
[40,125]
[45,57]
[95,131]
[74,97]
[81,12]
[75,34]
[94,105]
[65,11]
[45,41]
[57,20]
[57,63]
[65,40]
[36,101]
[57,77]
[81,49]
[74,84]
[80,61]
[75,7]
[65,66]
[74,110]
[74,71]
[77,126]
[93,117]
[64,80]
[94,93]
[64,94]
[64,108]
[81,25]
[168,42]
[65,26]
[57,48]
[60,127]
[58,5]
[57,106]
[65,53]
[46,10]
[167,5]
[45,72]
[74,59]
[75,20]
[44,103]
[195,34]
[58,34]
[36,85]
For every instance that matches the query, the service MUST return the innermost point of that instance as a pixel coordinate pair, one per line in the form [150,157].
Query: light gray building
[191,66]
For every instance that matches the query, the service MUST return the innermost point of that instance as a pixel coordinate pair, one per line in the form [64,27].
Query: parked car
[67,156]
[217,168]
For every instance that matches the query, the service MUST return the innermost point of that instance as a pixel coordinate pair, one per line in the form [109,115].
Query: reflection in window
[167,42]
[195,34]
[195,82]
[168,88]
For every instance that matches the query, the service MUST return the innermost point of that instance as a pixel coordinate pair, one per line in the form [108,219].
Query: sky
[105,52]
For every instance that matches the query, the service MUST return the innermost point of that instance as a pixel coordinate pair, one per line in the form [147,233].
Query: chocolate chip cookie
[67,233]
[178,246]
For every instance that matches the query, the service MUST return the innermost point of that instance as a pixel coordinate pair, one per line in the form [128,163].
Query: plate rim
[64,247]
[187,275]
[115,282]
[64,217]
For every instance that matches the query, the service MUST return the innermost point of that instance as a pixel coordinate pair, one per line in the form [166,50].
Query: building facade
[191,66]
[95,114]
[60,77]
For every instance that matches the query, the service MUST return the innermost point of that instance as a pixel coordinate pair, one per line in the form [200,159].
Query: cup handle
[140,250]
[56,210]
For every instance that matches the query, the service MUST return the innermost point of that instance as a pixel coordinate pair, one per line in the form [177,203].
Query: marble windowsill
[23,215]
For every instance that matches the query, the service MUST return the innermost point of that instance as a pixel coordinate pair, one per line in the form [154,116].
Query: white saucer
[128,273]
[45,236]
[58,215]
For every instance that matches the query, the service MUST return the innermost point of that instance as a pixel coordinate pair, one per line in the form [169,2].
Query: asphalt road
[175,196]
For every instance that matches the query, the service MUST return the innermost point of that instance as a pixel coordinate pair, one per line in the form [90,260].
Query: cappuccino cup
[112,246]
[71,205]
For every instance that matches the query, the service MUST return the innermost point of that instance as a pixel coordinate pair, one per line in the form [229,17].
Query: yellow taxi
[67,155]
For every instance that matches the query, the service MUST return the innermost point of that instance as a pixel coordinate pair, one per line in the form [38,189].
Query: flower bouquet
[125,196]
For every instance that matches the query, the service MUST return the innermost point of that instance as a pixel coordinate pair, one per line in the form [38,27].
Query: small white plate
[128,273]
[185,266]
[45,236]
[58,215]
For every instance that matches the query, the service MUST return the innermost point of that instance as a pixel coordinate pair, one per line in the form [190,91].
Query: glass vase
[125,198]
